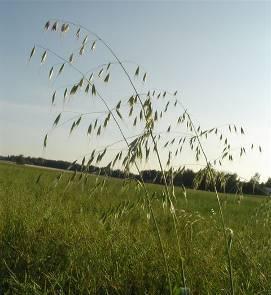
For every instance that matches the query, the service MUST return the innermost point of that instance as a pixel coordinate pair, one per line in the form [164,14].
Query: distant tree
[188,177]
[232,183]
[20,160]
[268,182]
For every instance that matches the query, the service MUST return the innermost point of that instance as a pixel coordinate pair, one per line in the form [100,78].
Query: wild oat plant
[148,131]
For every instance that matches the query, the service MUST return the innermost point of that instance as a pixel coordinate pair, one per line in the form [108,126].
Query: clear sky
[216,54]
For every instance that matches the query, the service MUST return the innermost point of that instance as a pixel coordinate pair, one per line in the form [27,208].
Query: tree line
[225,182]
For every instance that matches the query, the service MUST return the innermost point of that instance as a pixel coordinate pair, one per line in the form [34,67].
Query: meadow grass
[98,239]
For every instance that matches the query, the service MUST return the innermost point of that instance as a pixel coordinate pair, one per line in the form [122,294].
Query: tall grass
[145,112]
[84,242]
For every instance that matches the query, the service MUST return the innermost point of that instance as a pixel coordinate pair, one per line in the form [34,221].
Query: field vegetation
[96,237]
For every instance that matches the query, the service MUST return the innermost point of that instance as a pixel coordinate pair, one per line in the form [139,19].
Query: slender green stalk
[155,146]
[157,154]
[137,168]
[219,206]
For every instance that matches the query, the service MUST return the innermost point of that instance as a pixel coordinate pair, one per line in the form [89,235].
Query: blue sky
[216,54]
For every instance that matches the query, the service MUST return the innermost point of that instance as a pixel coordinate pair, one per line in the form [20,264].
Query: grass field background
[95,237]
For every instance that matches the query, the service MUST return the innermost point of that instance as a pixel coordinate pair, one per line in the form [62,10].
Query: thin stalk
[153,140]
[156,151]
[219,205]
[137,168]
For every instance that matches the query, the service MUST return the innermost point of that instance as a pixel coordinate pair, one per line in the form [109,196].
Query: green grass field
[96,238]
